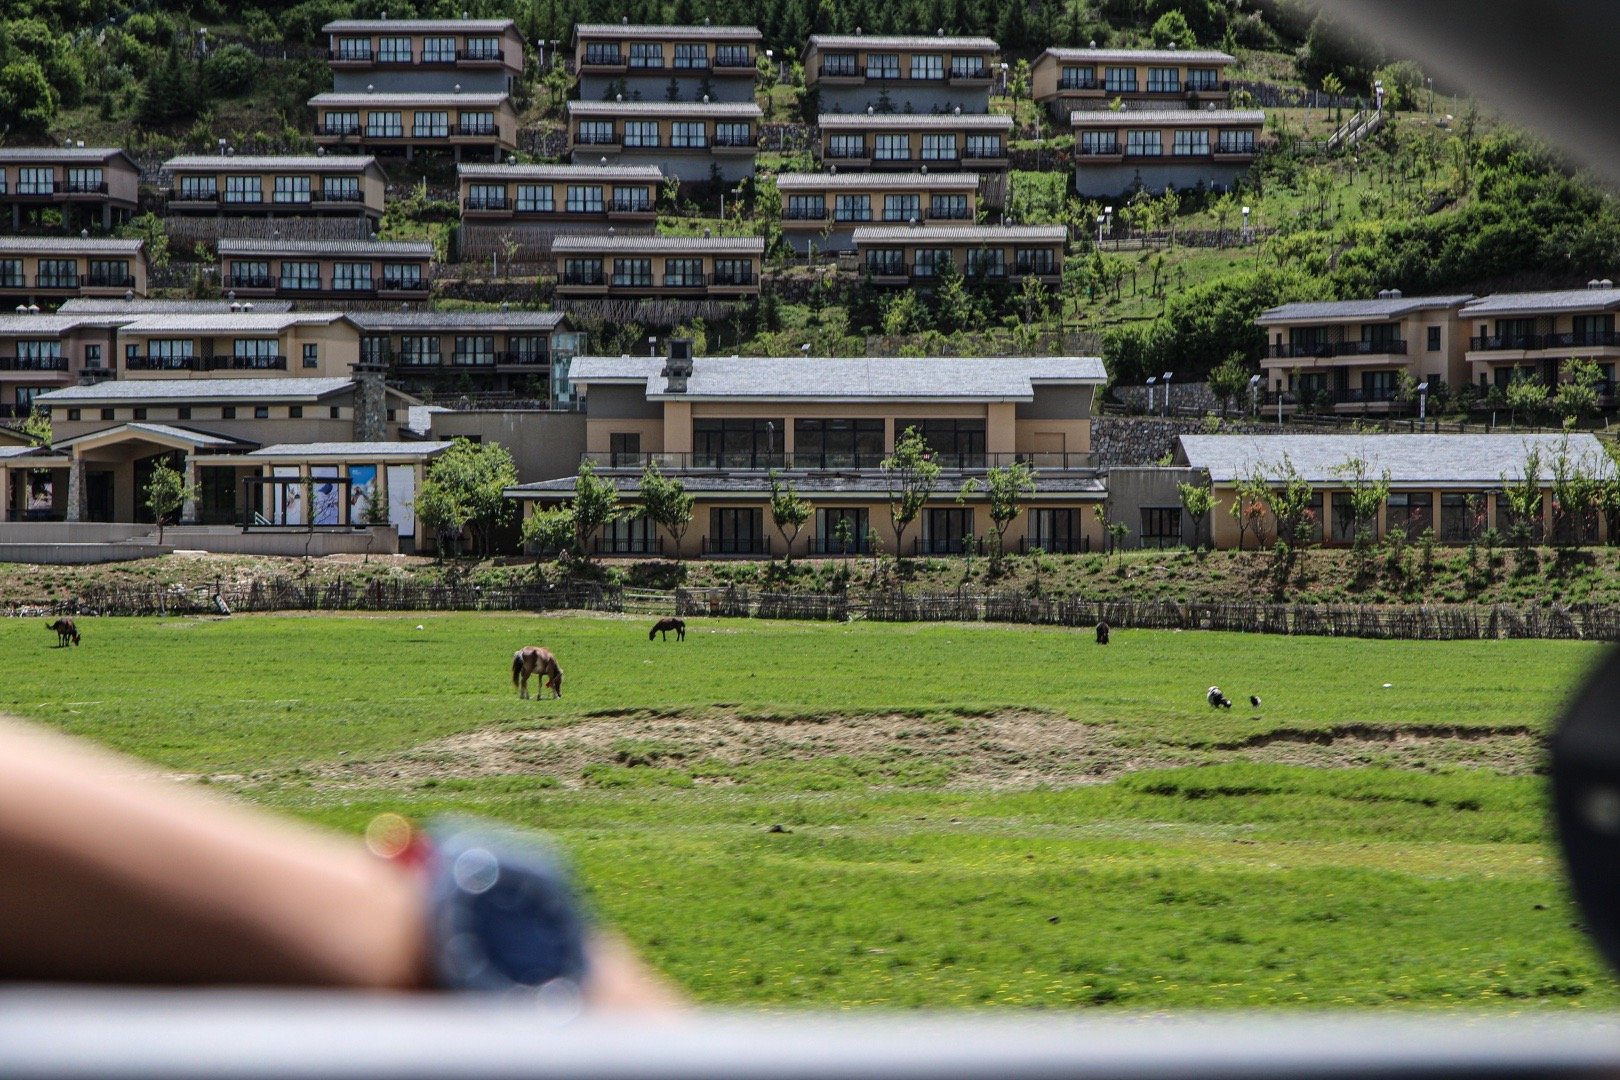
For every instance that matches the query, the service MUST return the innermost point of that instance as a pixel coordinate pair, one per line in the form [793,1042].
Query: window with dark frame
[1434,339]
[1161,526]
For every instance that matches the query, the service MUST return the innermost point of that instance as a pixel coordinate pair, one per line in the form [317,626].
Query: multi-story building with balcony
[854,73]
[1157,149]
[87,187]
[254,345]
[45,270]
[1349,355]
[665,63]
[1067,80]
[952,142]
[39,353]
[424,55]
[724,424]
[531,204]
[691,141]
[658,267]
[323,185]
[915,256]
[408,121]
[1538,333]
[510,352]
[326,271]
[823,210]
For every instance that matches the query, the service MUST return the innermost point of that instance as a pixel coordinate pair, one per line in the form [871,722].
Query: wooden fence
[1429,622]
[287,594]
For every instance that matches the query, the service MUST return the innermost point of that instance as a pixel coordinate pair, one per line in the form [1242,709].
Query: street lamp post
[1248,237]
[1431,96]
[1099,230]
[1423,402]
[1166,378]
[1378,92]
[652,345]
[1151,380]
[1254,394]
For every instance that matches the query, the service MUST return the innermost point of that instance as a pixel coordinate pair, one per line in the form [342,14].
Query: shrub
[231,71]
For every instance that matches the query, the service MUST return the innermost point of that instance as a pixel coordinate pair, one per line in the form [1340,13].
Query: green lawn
[970,814]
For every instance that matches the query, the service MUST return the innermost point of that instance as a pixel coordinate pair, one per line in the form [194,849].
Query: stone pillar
[370,404]
[188,509]
[75,499]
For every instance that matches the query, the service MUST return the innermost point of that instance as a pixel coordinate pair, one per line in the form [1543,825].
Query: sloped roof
[227,322]
[1531,303]
[901,41]
[203,440]
[1442,460]
[382,99]
[1358,309]
[90,305]
[696,245]
[1138,56]
[1184,118]
[68,154]
[470,171]
[986,234]
[951,121]
[388,249]
[72,245]
[471,26]
[123,391]
[352,449]
[728,33]
[958,181]
[1005,378]
[320,163]
[493,320]
[716,109]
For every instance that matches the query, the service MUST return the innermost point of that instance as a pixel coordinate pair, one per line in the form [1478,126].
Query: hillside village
[1088,278]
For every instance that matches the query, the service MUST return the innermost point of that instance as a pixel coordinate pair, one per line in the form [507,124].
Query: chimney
[678,365]
[370,402]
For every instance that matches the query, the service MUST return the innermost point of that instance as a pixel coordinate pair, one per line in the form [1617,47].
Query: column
[188,509]
[5,495]
[75,499]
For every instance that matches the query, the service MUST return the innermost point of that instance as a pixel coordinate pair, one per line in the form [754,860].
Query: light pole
[1423,402]
[1378,92]
[1166,378]
[1254,394]
[1248,237]
[652,345]
[1431,96]
[1099,230]
[1151,380]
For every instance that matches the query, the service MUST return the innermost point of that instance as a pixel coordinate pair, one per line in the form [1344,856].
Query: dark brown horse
[534,660]
[65,632]
[664,626]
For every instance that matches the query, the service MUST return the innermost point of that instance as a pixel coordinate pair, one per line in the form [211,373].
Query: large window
[584,198]
[169,354]
[1236,142]
[291,189]
[439,50]
[841,530]
[1378,385]
[402,276]
[394,50]
[837,444]
[632,273]
[846,146]
[582,272]
[689,55]
[838,65]
[385,125]
[1192,143]
[603,53]
[1056,530]
[419,351]
[948,207]
[902,207]
[928,67]
[1119,80]
[301,276]
[475,123]
[341,189]
[806,208]
[732,56]
[737,443]
[945,530]
[1078,78]
[1202,80]
[85,181]
[957,444]
[733,133]
[733,272]
[11,273]
[883,65]
[930,262]
[535,199]
[1409,512]
[354,48]
[596,132]
[257,354]
[985,146]
[646,54]
[892,148]
[486,196]
[1098,142]
[689,135]
[632,200]
[1042,261]
[342,123]
[475,350]
[1143,144]
[636,535]
[1162,80]
[885,262]
[1161,526]
[58,274]
[111,273]
[45,355]
[736,531]
[641,133]
[939,147]
[1593,329]
[36,181]
[431,125]
[852,208]
[352,277]
[1462,516]
[683,273]
[244,189]
[203,188]
[483,48]
[250,274]
[986,262]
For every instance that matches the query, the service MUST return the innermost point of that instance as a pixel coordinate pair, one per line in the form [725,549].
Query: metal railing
[596,138]
[496,202]
[475,129]
[56,281]
[1055,545]
[1294,350]
[630,545]
[110,281]
[85,187]
[33,363]
[733,279]
[582,279]
[736,545]
[831,545]
[250,281]
[523,359]
[828,461]
[603,58]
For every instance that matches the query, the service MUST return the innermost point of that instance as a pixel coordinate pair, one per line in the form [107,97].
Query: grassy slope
[1243,883]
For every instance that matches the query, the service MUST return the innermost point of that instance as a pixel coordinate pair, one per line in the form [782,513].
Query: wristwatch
[502,912]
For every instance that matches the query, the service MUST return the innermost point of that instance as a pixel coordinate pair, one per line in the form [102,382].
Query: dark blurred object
[1586,793]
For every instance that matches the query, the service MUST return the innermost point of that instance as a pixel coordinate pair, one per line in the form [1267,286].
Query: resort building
[854,73]
[1449,483]
[326,271]
[39,353]
[1349,355]
[1115,152]
[659,267]
[694,142]
[1066,80]
[1539,332]
[825,424]
[532,204]
[221,345]
[633,62]
[481,56]
[824,209]
[913,255]
[87,187]
[948,142]
[316,185]
[509,352]
[41,270]
[459,121]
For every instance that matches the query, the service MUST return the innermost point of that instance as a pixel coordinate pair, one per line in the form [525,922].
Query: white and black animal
[1254,699]
[1216,699]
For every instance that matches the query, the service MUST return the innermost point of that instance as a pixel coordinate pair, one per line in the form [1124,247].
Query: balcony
[475,129]
[110,281]
[338,131]
[424,363]
[1098,152]
[56,281]
[1079,84]
[941,545]
[354,288]
[478,58]
[350,58]
[340,198]
[630,208]
[602,61]
[163,363]
[732,280]
[36,191]
[84,187]
[1506,342]
[630,545]
[734,63]
[968,74]
[684,281]
[854,155]
[1299,350]
[33,363]
[299,285]
[805,213]
[395,59]
[836,72]
[985,153]
[1054,545]
[827,461]
[832,546]
[13,281]
[523,359]
[733,145]
[483,203]
[1323,397]
[250,281]
[950,213]
[181,200]
[736,545]
[597,138]
[463,361]
[244,363]
[402,285]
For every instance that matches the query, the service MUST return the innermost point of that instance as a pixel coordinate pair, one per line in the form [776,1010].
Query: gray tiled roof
[1358,309]
[647,173]
[159,390]
[1107,118]
[362,450]
[997,378]
[648,30]
[386,249]
[1529,303]
[89,305]
[1139,56]
[920,41]
[709,109]
[876,181]
[381,99]
[51,325]
[696,245]
[1443,460]
[471,26]
[60,153]
[71,245]
[226,322]
[988,234]
[822,484]
[320,163]
[492,320]
[949,121]
[196,438]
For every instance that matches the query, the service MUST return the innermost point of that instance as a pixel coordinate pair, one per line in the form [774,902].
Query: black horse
[664,626]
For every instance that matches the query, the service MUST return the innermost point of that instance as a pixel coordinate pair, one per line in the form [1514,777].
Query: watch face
[505,912]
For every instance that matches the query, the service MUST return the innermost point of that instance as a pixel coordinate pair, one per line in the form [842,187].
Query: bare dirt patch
[1011,749]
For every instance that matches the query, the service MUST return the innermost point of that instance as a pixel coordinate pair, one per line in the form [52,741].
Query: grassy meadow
[968,815]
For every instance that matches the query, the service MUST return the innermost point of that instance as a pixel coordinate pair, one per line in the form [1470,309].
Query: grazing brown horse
[534,660]
[664,626]
[65,632]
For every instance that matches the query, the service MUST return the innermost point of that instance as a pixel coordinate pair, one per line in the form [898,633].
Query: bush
[231,71]
[27,102]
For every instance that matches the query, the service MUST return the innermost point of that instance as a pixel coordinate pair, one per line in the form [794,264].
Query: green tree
[549,531]
[1251,502]
[166,494]
[150,228]
[1577,494]
[1290,495]
[1229,380]
[1170,31]
[37,426]
[473,478]
[1366,494]
[1523,495]
[1197,500]
[27,103]
[1577,398]
[666,503]
[911,474]
[440,514]
[1005,488]
[1526,394]
[788,511]
[595,506]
